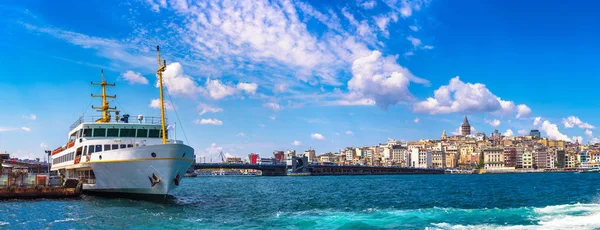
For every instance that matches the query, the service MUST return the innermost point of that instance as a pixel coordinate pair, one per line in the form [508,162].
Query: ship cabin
[88,137]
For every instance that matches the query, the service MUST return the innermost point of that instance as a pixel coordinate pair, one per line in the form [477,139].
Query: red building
[253,158]
[279,156]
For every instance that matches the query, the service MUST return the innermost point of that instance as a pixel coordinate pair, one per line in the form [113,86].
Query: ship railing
[149,120]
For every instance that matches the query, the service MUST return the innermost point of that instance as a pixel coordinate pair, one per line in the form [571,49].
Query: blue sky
[298,74]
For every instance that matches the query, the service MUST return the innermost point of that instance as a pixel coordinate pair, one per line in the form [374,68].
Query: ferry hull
[139,171]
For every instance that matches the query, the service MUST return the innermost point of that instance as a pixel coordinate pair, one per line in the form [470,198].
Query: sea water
[500,201]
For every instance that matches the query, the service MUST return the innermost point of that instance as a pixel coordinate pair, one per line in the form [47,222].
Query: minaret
[444,136]
[465,128]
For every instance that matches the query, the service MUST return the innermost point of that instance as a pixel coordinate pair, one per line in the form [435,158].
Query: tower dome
[465,128]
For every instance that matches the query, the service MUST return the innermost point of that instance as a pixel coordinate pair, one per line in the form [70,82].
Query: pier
[320,170]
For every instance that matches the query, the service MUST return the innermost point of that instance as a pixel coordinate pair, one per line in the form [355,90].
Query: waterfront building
[348,153]
[398,154]
[268,161]
[279,156]
[253,158]
[328,158]
[560,156]
[551,161]
[234,160]
[465,128]
[290,153]
[438,159]
[540,156]
[520,154]
[311,154]
[510,156]
[493,158]
[420,158]
[451,156]
[466,154]
[526,159]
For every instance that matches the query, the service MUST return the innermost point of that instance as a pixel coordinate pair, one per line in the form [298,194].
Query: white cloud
[296,143]
[32,117]
[508,133]
[272,105]
[368,4]
[27,129]
[417,120]
[414,41]
[494,123]
[43,145]
[380,79]
[349,132]
[208,122]
[134,78]
[241,134]
[317,136]
[382,22]
[537,121]
[409,53]
[589,133]
[249,88]
[523,132]
[552,131]
[572,121]
[218,90]
[461,97]
[208,109]
[155,104]
[262,125]
[178,83]
[280,88]
[523,111]
[272,117]
[414,28]
[405,9]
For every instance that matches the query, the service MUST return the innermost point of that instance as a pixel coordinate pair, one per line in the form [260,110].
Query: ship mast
[105,109]
[159,71]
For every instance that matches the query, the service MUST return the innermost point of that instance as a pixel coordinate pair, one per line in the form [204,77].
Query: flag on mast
[172,126]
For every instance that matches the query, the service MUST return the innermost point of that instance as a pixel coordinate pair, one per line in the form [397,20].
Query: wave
[570,216]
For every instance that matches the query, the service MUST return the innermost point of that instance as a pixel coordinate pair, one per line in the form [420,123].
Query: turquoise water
[510,201]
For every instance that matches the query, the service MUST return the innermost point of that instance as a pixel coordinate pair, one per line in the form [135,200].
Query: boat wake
[570,216]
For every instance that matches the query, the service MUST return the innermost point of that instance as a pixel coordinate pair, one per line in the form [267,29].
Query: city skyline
[294,75]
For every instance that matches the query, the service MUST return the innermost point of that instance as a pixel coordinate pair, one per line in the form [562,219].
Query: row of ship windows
[98,148]
[64,158]
[114,132]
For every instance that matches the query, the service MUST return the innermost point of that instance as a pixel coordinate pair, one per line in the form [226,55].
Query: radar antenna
[104,108]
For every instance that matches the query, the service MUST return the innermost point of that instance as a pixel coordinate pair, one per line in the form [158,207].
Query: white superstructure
[122,155]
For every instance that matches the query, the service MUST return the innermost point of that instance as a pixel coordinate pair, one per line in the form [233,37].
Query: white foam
[572,216]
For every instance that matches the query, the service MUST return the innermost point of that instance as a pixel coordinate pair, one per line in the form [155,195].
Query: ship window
[87,132]
[91,149]
[127,132]
[99,132]
[129,146]
[106,147]
[112,132]
[154,133]
[115,147]
[123,146]
[84,150]
[142,133]
[80,133]
[98,148]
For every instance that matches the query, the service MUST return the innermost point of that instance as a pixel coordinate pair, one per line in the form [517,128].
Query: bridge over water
[320,170]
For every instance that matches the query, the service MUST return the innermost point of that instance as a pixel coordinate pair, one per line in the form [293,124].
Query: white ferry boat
[123,156]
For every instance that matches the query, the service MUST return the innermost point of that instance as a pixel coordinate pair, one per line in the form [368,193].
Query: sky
[256,76]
